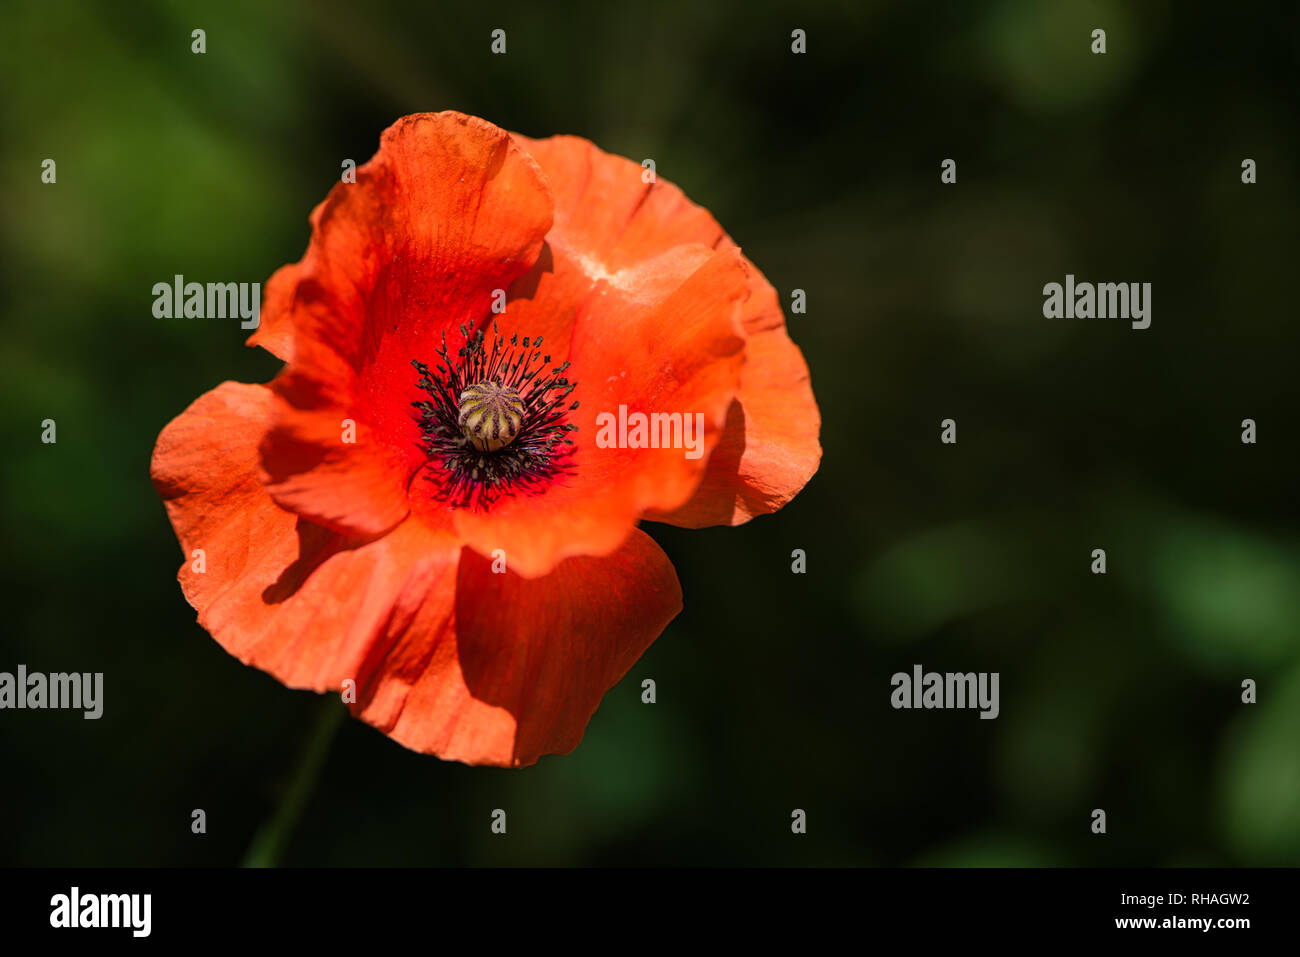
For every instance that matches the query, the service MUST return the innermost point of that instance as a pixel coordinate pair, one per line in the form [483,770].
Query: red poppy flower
[419,501]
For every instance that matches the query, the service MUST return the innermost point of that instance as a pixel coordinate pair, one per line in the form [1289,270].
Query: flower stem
[273,836]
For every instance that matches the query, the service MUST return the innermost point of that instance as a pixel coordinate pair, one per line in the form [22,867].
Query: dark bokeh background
[924,301]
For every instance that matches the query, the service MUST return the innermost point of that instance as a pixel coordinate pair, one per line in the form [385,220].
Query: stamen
[494,422]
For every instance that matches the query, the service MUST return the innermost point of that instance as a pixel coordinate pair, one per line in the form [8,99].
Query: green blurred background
[924,302]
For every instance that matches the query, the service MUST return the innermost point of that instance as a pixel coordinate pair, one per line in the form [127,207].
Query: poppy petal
[608,218]
[448,657]
[290,597]
[769,448]
[535,656]
[661,338]
[449,211]
[275,321]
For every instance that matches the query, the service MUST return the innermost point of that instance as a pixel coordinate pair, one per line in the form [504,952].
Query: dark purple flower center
[494,421]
